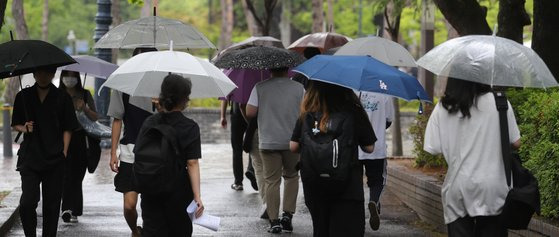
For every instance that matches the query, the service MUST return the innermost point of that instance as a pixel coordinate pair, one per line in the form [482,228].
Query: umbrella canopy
[18,57]
[386,51]
[154,31]
[488,60]
[322,40]
[363,73]
[245,79]
[91,65]
[254,41]
[259,57]
[143,74]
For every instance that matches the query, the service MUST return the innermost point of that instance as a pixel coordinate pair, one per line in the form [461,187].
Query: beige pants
[258,167]
[278,163]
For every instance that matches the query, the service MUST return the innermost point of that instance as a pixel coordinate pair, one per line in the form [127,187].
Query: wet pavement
[239,211]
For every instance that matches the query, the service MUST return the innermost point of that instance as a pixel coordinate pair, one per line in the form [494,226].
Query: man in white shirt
[380,111]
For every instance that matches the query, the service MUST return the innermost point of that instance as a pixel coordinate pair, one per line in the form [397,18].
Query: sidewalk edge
[8,214]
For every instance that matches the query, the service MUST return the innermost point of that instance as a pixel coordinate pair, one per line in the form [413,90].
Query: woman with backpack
[164,213]
[331,127]
[76,163]
[465,128]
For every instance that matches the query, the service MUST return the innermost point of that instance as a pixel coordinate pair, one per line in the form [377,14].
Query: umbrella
[91,65]
[488,60]
[363,73]
[245,79]
[153,31]
[143,74]
[386,51]
[254,41]
[322,40]
[18,57]
[259,57]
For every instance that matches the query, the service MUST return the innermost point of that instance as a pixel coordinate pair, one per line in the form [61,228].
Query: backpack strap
[502,106]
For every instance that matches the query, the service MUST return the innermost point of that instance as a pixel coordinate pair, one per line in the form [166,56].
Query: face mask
[70,82]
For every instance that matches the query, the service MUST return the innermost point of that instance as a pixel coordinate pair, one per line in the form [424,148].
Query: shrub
[417,131]
[538,119]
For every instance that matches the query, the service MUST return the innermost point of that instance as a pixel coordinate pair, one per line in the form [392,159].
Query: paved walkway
[239,210]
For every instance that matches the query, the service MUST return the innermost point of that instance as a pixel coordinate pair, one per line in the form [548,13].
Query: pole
[427,43]
[7,130]
[103,20]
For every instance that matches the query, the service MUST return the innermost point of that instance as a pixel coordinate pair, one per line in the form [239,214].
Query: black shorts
[124,181]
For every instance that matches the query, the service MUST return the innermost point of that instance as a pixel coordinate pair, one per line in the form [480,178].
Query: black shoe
[250,176]
[66,216]
[275,227]
[237,187]
[286,222]
[374,220]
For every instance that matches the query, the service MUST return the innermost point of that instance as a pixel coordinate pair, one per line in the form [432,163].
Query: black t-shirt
[187,131]
[365,136]
[43,148]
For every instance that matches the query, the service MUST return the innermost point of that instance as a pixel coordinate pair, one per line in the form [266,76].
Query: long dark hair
[461,95]
[175,90]
[78,87]
[329,98]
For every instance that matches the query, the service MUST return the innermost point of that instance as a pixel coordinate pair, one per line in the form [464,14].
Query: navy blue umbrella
[363,73]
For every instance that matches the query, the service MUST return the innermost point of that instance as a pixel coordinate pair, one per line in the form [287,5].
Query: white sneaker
[74,219]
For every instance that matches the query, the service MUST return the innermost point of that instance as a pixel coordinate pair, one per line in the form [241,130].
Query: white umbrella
[143,74]
[490,60]
[384,50]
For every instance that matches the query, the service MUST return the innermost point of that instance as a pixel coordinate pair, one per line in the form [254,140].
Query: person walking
[165,214]
[336,212]
[45,115]
[250,145]
[275,103]
[132,117]
[76,163]
[380,111]
[464,127]
[238,129]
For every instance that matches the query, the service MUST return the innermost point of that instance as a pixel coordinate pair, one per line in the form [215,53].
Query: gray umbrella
[259,57]
[153,31]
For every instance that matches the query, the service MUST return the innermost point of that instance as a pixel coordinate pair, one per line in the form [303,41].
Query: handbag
[93,151]
[524,197]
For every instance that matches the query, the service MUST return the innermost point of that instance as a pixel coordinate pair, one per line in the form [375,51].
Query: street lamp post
[103,20]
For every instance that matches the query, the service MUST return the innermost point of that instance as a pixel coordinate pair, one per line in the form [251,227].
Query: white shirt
[380,110]
[475,183]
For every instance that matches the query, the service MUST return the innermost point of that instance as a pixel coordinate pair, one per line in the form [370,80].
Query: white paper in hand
[208,221]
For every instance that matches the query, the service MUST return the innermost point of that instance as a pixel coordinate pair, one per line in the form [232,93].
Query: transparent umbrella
[490,60]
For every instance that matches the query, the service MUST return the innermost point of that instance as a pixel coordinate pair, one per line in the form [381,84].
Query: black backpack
[328,158]
[157,154]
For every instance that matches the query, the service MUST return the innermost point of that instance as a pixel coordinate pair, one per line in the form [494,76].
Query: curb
[8,214]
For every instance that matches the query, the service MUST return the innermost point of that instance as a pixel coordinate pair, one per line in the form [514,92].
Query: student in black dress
[341,214]
[76,164]
[45,115]
[165,215]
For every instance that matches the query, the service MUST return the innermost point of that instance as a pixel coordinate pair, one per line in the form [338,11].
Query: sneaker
[74,219]
[250,176]
[66,216]
[374,220]
[286,222]
[237,187]
[275,227]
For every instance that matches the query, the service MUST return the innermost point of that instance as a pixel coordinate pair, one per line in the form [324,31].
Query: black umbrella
[18,57]
[260,58]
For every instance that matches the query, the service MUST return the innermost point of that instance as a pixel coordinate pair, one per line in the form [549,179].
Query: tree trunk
[146,10]
[512,18]
[226,24]
[253,28]
[3,4]
[466,16]
[13,85]
[115,12]
[545,34]
[285,23]
[264,22]
[330,18]
[317,16]
[45,22]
